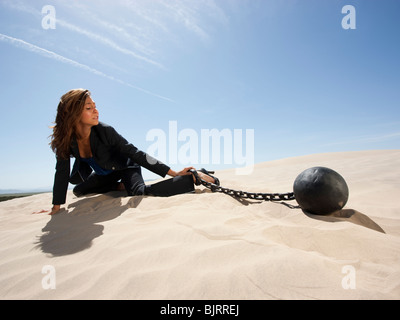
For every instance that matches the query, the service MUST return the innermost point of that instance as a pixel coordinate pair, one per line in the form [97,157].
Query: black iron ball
[320,190]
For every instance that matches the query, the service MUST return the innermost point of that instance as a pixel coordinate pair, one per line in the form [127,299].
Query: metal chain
[248,195]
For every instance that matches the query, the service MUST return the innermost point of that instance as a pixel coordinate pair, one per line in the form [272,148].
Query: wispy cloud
[52,55]
[187,17]
[197,17]
[108,42]
[23,7]
[136,31]
[141,27]
[367,139]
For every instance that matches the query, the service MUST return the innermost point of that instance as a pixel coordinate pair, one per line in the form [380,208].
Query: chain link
[248,195]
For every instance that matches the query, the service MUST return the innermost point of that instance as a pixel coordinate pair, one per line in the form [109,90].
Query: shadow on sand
[348,215]
[73,230]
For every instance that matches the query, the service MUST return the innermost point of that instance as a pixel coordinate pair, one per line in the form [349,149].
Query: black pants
[134,184]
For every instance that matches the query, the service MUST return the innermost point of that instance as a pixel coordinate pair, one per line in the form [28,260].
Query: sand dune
[210,245]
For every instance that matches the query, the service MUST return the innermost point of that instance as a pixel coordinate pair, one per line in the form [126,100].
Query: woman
[103,157]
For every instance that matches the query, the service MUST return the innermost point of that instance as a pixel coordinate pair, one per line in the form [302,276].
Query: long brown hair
[69,112]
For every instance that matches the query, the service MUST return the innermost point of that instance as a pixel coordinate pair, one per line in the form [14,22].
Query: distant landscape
[12,194]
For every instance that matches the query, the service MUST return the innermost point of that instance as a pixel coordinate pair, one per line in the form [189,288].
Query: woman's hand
[184,172]
[53,210]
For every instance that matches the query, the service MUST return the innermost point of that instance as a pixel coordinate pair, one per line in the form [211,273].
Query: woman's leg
[171,187]
[133,181]
[135,186]
[97,184]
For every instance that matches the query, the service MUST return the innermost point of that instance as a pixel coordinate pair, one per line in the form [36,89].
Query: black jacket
[111,151]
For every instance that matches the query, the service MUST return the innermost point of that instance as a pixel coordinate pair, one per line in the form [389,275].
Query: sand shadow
[73,230]
[348,215]
[248,201]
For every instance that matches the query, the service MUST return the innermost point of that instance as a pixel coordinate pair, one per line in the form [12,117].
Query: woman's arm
[61,180]
[122,146]
[184,172]
[141,158]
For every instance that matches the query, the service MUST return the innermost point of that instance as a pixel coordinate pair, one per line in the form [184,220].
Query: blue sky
[286,69]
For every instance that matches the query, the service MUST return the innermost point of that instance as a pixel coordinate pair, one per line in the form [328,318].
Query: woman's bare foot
[120,187]
[205,177]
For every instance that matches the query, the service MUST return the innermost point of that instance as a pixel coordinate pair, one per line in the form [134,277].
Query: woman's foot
[120,187]
[205,175]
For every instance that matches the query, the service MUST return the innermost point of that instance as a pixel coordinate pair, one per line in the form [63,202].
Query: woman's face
[90,115]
